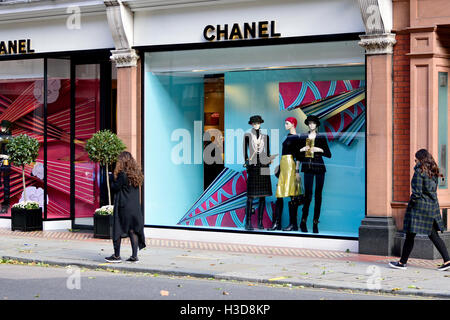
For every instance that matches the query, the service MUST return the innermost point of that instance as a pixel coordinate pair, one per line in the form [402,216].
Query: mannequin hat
[255,119]
[5,123]
[312,118]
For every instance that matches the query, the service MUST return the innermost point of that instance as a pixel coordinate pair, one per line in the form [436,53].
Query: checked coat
[423,206]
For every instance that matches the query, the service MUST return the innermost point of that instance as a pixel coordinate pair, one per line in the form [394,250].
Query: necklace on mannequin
[257,143]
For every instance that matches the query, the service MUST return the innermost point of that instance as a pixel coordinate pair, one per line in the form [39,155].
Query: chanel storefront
[203,82]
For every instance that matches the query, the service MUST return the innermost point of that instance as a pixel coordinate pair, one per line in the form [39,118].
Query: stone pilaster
[377,230]
[126,60]
[378,43]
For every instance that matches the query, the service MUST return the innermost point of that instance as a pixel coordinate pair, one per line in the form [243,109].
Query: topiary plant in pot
[104,147]
[26,215]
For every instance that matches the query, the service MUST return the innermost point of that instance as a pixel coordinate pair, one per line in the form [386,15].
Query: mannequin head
[288,125]
[5,125]
[255,122]
[256,125]
[312,126]
[313,122]
[290,122]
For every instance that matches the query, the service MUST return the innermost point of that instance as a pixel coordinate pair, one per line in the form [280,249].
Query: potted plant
[103,148]
[103,222]
[25,215]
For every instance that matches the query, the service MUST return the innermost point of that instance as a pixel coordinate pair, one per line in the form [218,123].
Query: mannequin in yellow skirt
[289,184]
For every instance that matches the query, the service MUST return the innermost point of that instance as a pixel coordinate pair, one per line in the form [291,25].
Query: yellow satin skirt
[288,184]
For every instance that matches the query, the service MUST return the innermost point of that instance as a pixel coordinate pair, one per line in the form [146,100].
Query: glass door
[56,168]
[85,122]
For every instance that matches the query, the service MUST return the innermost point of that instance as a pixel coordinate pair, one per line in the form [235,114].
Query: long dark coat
[127,210]
[423,205]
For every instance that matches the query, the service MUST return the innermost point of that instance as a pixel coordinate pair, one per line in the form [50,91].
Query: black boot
[315,227]
[303,227]
[248,215]
[262,205]
[248,222]
[277,217]
[260,220]
[292,217]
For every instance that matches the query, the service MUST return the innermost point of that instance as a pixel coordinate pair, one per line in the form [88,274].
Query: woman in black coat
[128,218]
[422,214]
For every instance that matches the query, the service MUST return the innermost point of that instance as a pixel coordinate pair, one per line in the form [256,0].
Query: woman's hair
[126,163]
[427,163]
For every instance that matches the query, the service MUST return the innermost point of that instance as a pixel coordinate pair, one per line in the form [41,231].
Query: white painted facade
[53,27]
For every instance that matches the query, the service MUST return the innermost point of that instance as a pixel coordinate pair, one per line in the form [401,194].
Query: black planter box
[102,226]
[26,219]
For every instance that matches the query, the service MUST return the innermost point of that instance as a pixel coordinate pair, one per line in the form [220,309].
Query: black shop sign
[247,30]
[15,47]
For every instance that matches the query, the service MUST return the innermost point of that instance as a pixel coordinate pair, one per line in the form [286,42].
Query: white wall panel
[293,18]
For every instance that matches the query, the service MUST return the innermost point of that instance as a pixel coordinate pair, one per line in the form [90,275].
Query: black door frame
[105,119]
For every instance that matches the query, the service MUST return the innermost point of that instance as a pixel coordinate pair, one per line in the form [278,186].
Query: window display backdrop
[174,194]
[22,103]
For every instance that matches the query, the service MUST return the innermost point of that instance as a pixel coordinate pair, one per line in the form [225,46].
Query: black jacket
[127,210]
[314,165]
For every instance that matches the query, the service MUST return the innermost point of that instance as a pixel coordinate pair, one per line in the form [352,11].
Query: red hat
[292,120]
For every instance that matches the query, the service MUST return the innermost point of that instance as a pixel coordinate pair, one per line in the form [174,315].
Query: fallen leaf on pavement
[279,278]
[225,293]
[413,287]
[164,293]
[396,289]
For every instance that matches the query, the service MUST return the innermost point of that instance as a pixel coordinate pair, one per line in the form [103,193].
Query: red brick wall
[401,105]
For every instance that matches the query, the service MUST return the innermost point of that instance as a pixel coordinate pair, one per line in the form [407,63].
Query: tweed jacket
[258,160]
[423,206]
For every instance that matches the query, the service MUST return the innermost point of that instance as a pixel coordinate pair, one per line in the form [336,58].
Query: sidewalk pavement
[276,265]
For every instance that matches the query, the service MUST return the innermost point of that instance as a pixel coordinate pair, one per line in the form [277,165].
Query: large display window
[61,118]
[21,112]
[256,141]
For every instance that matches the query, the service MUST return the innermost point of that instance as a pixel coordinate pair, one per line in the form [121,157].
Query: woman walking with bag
[128,218]
[423,214]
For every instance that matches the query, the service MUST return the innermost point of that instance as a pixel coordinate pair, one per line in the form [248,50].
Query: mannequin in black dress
[257,162]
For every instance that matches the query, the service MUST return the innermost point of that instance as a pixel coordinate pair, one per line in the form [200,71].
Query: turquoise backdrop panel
[173,146]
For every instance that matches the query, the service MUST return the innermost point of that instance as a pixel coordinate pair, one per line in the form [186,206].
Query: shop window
[181,187]
[21,112]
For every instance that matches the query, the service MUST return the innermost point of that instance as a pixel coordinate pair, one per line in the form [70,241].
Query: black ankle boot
[315,227]
[292,217]
[303,227]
